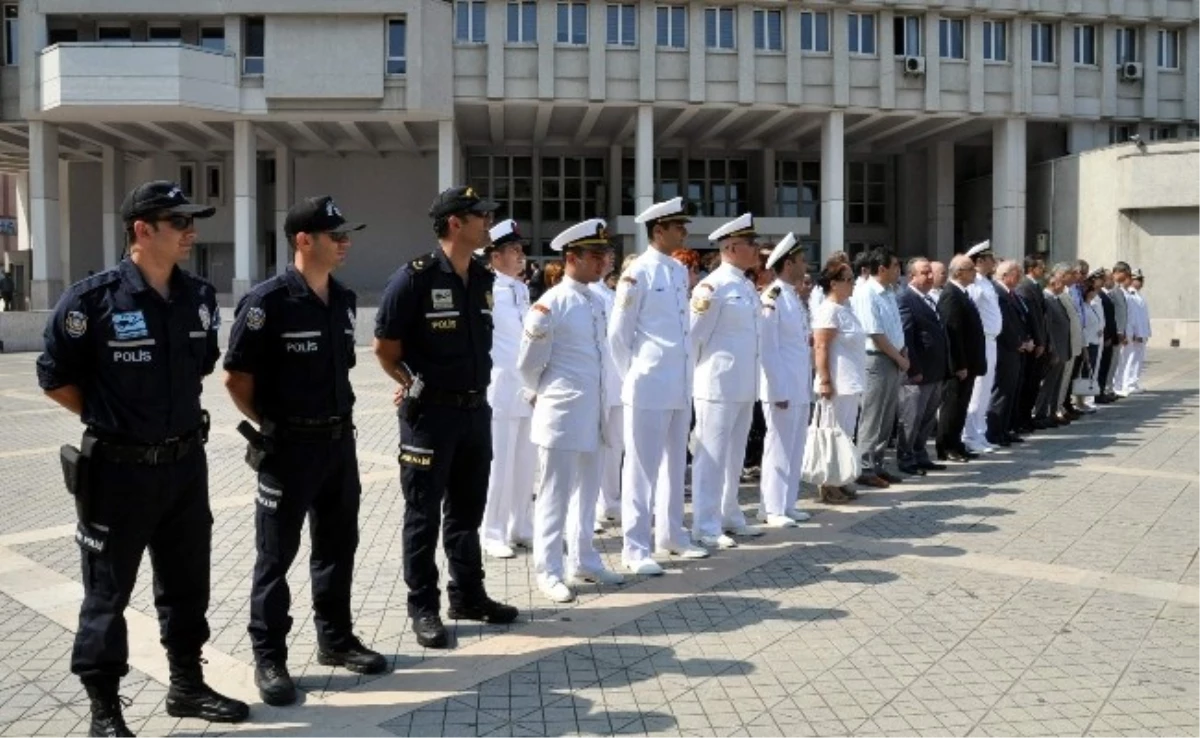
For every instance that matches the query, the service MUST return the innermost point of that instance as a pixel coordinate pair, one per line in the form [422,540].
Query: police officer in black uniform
[290,354]
[126,350]
[433,335]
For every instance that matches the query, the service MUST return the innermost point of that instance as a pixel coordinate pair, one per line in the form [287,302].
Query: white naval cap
[1137,274]
[665,212]
[590,234]
[504,232]
[785,248]
[983,248]
[743,225]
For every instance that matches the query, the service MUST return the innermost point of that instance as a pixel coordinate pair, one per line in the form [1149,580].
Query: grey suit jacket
[1120,309]
[1058,328]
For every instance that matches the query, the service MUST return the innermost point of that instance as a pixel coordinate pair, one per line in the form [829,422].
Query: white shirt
[562,360]
[988,304]
[1095,322]
[936,294]
[505,394]
[648,333]
[847,352]
[612,378]
[726,318]
[1139,314]
[877,312]
[786,360]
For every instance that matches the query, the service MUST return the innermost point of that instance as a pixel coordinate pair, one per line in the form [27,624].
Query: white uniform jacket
[562,361]
[726,317]
[648,334]
[505,391]
[786,355]
[612,378]
[987,302]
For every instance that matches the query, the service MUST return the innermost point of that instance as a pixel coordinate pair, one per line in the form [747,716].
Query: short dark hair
[879,259]
[861,261]
[150,217]
[1122,267]
[1033,261]
[441,226]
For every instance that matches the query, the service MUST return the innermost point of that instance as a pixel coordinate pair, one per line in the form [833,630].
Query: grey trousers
[879,403]
[1048,398]
[918,420]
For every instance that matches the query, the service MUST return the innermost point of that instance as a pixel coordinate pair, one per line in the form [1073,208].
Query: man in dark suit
[1011,345]
[1058,350]
[921,392]
[968,358]
[1111,334]
[1030,292]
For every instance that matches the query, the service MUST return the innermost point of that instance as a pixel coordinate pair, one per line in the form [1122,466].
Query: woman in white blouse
[840,355]
[1094,333]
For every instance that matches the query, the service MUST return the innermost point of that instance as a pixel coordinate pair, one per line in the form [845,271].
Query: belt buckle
[154,457]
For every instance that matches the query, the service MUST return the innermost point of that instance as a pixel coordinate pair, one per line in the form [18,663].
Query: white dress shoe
[644,567]
[598,526]
[554,589]
[596,576]
[978,449]
[798,515]
[721,541]
[686,551]
[499,551]
[779,521]
[743,530]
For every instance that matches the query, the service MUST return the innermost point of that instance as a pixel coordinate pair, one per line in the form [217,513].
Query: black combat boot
[106,709]
[189,696]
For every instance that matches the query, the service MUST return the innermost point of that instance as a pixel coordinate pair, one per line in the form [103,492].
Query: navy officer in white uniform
[725,334]
[562,360]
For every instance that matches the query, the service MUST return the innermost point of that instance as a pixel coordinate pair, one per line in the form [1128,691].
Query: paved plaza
[1050,589]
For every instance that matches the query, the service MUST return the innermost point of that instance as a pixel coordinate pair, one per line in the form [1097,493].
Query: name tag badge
[129,325]
[443,299]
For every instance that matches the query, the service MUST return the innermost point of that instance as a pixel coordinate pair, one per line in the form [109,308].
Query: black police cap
[160,196]
[459,200]
[317,215]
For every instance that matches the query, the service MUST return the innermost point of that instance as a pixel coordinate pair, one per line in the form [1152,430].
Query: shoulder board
[705,285]
[541,308]
[423,262]
[628,280]
[774,292]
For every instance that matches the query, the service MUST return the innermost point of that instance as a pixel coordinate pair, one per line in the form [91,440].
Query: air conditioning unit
[914,65]
[1131,71]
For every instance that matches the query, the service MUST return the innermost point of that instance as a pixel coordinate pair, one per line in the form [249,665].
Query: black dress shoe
[485,610]
[930,466]
[1044,424]
[430,631]
[275,685]
[912,469]
[890,478]
[1014,438]
[353,655]
[957,456]
[1025,429]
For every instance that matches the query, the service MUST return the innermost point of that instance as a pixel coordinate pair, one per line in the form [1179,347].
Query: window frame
[902,20]
[515,35]
[12,34]
[219,197]
[1126,45]
[510,200]
[620,9]
[1079,34]
[951,23]
[212,27]
[114,25]
[1036,42]
[804,207]
[249,68]
[388,57]
[187,183]
[990,27]
[476,32]
[857,39]
[866,203]
[808,42]
[1119,133]
[152,26]
[717,13]
[706,203]
[676,32]
[762,25]
[563,180]
[570,7]
[1163,34]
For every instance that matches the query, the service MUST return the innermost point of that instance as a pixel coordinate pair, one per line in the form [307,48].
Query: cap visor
[348,227]
[484,206]
[196,211]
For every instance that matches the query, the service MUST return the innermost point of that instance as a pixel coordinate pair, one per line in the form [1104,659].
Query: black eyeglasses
[177,221]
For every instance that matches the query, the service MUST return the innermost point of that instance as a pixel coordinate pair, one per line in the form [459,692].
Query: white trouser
[783,455]
[1134,357]
[1114,369]
[567,491]
[508,516]
[975,430]
[652,479]
[610,464]
[722,429]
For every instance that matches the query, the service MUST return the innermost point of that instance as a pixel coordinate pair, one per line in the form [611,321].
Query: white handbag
[830,457]
[1085,385]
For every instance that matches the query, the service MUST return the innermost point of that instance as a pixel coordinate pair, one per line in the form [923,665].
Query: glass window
[814,31]
[1119,134]
[572,23]
[213,190]
[995,40]
[113,32]
[397,40]
[907,30]
[718,187]
[718,28]
[522,22]
[798,190]
[11,34]
[1164,133]
[866,194]
[952,38]
[253,44]
[1168,49]
[622,25]
[1085,45]
[187,180]
[768,30]
[212,38]
[1041,47]
[572,188]
[861,27]
[470,21]
[62,35]
[164,32]
[671,22]
[1127,47]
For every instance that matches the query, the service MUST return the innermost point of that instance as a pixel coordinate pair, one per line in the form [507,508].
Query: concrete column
[1190,59]
[1066,69]
[285,194]
[975,65]
[840,43]
[766,178]
[1149,41]
[747,84]
[886,46]
[697,53]
[44,238]
[616,156]
[547,33]
[644,167]
[833,184]
[64,219]
[597,52]
[495,50]
[23,207]
[112,188]
[1008,188]
[930,44]
[795,56]
[939,170]
[447,143]
[648,52]
[245,208]
[1108,70]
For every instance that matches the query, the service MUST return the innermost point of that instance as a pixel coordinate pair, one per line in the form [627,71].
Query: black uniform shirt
[138,359]
[299,349]
[444,326]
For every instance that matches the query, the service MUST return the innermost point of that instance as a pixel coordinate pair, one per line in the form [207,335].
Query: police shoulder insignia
[421,263]
[205,317]
[255,318]
[75,324]
[774,292]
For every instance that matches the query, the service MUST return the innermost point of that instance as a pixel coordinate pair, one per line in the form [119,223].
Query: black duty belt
[151,454]
[448,398]
[310,429]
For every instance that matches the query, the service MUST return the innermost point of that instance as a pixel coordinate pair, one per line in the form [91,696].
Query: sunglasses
[338,236]
[177,221]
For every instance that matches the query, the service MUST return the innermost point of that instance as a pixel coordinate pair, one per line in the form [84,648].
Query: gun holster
[258,446]
[91,532]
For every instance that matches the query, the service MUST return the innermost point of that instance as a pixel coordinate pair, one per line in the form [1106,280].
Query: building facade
[851,123]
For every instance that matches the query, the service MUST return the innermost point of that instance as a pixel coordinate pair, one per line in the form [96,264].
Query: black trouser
[445,455]
[164,508]
[1004,393]
[318,479]
[1033,373]
[1076,367]
[1106,357]
[956,396]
